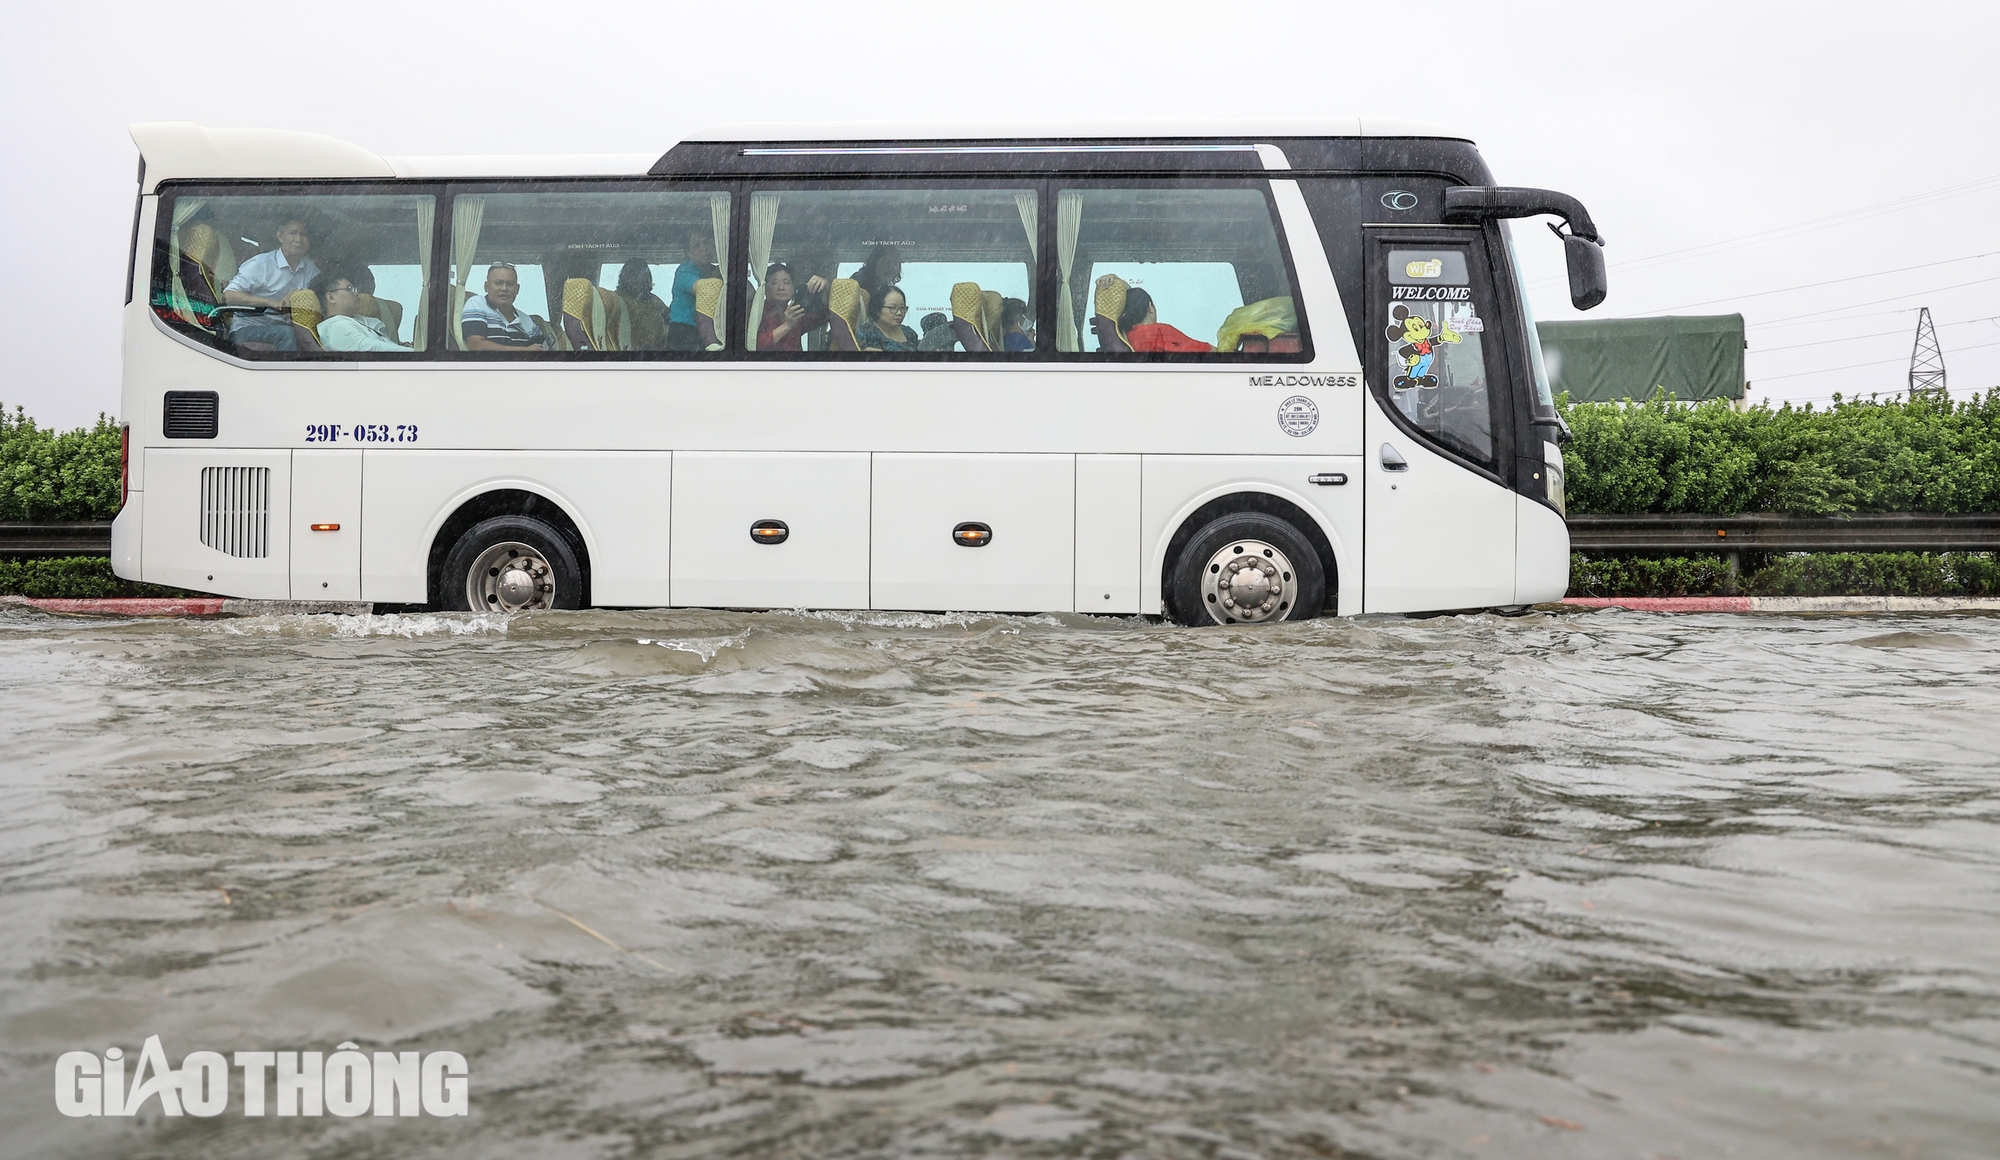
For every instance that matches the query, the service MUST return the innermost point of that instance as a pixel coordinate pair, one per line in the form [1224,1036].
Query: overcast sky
[1680,125]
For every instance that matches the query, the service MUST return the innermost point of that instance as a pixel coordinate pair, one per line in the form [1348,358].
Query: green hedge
[1820,574]
[52,476]
[74,577]
[1921,455]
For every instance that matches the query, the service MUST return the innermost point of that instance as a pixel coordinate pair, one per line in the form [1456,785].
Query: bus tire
[511,564]
[1246,568]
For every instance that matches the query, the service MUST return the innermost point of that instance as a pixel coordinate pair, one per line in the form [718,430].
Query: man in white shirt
[344,327]
[265,282]
[490,321]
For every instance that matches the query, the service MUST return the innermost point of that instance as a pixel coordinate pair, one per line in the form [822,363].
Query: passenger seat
[1110,303]
[968,307]
[843,309]
[304,306]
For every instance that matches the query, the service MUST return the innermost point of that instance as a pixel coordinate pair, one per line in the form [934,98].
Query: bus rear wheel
[511,564]
[1246,568]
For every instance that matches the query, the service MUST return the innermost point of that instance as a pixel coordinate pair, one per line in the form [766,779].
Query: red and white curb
[186,606]
[230,606]
[1789,603]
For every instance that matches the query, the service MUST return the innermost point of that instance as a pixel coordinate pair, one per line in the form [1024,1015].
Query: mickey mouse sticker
[1419,349]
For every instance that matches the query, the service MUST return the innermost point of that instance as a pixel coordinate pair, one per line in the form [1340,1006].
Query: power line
[1879,301]
[1827,282]
[1856,366]
[1909,202]
[1858,337]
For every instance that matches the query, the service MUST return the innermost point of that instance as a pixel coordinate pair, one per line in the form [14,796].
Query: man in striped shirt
[490,321]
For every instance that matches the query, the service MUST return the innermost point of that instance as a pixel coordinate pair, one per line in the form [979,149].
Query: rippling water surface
[704,884]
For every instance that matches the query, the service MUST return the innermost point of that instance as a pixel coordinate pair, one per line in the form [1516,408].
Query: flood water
[692,884]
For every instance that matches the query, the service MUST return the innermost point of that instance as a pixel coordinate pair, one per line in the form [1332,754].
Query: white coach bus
[1221,373]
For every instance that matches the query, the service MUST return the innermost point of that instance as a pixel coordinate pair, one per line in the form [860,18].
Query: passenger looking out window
[786,318]
[1014,335]
[649,314]
[882,269]
[491,322]
[885,331]
[344,327]
[265,283]
[682,333]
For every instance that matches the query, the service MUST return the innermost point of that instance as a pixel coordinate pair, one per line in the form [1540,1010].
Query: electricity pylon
[1926,360]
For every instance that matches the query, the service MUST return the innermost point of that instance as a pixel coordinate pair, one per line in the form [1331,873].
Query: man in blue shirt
[265,282]
[681,332]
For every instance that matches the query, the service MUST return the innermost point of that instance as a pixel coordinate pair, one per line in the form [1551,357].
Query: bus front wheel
[511,564]
[1246,568]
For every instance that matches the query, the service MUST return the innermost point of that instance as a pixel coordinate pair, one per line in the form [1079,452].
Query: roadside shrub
[1926,454]
[72,577]
[53,476]
[1818,574]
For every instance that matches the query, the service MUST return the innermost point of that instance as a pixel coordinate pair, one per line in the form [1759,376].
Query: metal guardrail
[1763,532]
[78,539]
[1892,532]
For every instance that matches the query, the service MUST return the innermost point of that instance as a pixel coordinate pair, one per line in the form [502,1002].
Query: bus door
[1440,523]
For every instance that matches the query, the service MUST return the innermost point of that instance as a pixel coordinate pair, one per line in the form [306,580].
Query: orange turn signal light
[770,532]
[326,527]
[971,535]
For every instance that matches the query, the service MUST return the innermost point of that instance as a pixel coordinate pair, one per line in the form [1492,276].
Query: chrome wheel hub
[1249,582]
[510,577]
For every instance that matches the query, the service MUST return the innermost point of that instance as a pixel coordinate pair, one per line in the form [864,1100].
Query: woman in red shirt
[1140,320]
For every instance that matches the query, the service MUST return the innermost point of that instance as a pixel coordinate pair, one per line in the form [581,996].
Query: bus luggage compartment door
[813,511]
[326,525]
[929,552]
[219,520]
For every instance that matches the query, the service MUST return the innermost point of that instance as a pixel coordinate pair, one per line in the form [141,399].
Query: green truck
[1693,357]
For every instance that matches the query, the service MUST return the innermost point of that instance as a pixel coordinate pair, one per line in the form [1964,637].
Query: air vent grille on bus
[236,510]
[190,415]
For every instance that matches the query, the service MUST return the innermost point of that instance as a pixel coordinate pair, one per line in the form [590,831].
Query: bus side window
[577,272]
[250,274]
[1172,268]
[892,269]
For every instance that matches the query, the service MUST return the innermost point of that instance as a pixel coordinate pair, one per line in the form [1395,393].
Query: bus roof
[180,150]
[795,131]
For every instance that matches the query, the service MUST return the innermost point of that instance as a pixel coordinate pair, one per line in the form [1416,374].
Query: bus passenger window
[1172,269]
[581,271]
[1436,357]
[245,274]
[865,268]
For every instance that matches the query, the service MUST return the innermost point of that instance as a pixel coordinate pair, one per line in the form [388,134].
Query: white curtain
[763,225]
[1069,221]
[184,209]
[1024,200]
[718,215]
[426,225]
[467,215]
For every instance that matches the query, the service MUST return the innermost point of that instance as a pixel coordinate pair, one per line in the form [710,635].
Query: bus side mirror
[1585,258]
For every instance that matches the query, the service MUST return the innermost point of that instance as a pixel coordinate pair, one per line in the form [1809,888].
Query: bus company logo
[1305,381]
[348,1082]
[1425,268]
[1400,200]
[1298,416]
[1430,293]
